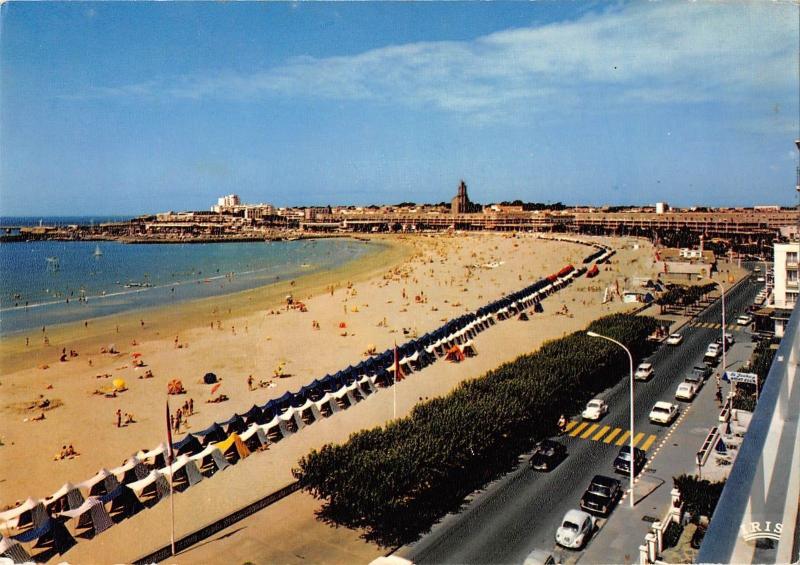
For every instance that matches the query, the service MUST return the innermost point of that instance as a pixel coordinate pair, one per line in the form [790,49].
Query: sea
[43,283]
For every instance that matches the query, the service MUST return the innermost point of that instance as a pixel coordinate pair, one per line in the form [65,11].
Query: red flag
[398,372]
[169,437]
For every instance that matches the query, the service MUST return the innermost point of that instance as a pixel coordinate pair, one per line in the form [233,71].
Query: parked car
[601,495]
[728,341]
[575,530]
[644,372]
[702,371]
[663,412]
[674,339]
[547,455]
[744,320]
[713,353]
[686,391]
[622,463]
[596,408]
[540,557]
[761,278]
[695,380]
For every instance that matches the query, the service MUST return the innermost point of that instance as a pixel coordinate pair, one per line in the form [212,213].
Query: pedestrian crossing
[609,434]
[717,326]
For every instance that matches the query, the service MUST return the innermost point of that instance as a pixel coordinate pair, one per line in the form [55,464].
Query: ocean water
[53,282]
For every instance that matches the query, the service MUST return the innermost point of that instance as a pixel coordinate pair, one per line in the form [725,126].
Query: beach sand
[253,341]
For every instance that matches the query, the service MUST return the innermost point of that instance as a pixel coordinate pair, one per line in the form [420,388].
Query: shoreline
[167,319]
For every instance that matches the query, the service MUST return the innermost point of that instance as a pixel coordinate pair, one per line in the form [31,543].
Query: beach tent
[593,272]
[101,483]
[151,489]
[284,402]
[254,416]
[31,512]
[233,448]
[309,405]
[209,378]
[523,317]
[123,502]
[455,354]
[51,532]
[292,416]
[130,471]
[13,550]
[234,424]
[254,437]
[538,307]
[68,497]
[91,515]
[188,445]
[210,460]
[183,473]
[469,349]
[328,400]
[276,429]
[211,434]
[155,458]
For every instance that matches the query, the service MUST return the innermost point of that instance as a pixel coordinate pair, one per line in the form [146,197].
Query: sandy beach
[411,288]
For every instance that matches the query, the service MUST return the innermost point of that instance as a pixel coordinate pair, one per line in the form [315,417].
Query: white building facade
[785,289]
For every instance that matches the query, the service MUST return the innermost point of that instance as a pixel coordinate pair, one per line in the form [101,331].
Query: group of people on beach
[129,419]
[181,415]
[67,452]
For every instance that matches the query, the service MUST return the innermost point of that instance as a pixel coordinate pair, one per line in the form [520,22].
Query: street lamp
[630,359]
[724,343]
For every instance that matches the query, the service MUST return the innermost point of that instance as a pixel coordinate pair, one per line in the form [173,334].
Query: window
[791,257]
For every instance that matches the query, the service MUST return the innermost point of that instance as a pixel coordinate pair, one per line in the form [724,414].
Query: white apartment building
[785,289]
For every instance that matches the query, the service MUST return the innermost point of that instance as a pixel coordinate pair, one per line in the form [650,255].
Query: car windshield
[625,455]
[546,450]
[594,404]
[660,409]
[569,526]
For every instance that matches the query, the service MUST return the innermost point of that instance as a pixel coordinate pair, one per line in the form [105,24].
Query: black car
[703,372]
[622,464]
[696,380]
[601,495]
[547,455]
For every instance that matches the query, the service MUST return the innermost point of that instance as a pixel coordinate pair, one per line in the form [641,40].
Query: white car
[713,350]
[674,339]
[744,320]
[644,372]
[761,279]
[595,409]
[663,412]
[540,557]
[575,530]
[686,391]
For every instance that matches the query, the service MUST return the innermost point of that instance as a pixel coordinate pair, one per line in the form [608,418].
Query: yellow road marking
[577,430]
[612,435]
[571,425]
[646,445]
[601,433]
[637,438]
[589,431]
[623,437]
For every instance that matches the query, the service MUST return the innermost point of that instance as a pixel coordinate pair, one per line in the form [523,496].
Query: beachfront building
[785,289]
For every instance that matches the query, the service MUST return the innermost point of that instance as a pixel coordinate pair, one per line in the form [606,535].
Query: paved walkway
[619,539]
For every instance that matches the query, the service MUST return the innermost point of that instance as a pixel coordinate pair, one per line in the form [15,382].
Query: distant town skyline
[131,108]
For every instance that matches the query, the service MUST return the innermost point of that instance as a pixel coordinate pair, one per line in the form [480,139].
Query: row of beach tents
[94,505]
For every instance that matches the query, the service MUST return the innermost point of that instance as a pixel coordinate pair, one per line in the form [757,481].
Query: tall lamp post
[630,359]
[724,343]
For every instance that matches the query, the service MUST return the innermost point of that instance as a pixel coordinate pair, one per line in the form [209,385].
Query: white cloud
[651,53]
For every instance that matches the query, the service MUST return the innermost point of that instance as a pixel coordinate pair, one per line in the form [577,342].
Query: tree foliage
[395,481]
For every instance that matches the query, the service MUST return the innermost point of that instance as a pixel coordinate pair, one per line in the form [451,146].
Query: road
[522,510]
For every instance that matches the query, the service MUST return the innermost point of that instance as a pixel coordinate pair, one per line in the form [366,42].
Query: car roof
[627,449]
[603,480]
[684,384]
[576,516]
[596,400]
[538,556]
[662,404]
[674,335]
[645,365]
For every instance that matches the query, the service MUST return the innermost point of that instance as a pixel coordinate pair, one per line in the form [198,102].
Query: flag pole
[171,492]
[394,385]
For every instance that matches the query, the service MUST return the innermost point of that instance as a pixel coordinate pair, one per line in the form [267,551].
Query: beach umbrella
[210,378]
[119,384]
[136,354]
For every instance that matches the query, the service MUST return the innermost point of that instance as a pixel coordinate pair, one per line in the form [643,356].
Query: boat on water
[138,285]
[97,251]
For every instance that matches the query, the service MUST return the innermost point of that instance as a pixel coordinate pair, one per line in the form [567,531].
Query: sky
[131,108]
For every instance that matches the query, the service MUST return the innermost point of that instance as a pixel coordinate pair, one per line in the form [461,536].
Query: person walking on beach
[250,382]
[119,418]
[191,406]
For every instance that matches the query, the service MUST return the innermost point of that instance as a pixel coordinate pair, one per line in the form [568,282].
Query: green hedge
[699,496]
[395,481]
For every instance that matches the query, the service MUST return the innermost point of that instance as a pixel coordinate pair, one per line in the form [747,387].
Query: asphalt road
[522,510]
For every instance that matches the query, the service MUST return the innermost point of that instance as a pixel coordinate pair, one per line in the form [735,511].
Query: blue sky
[141,107]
